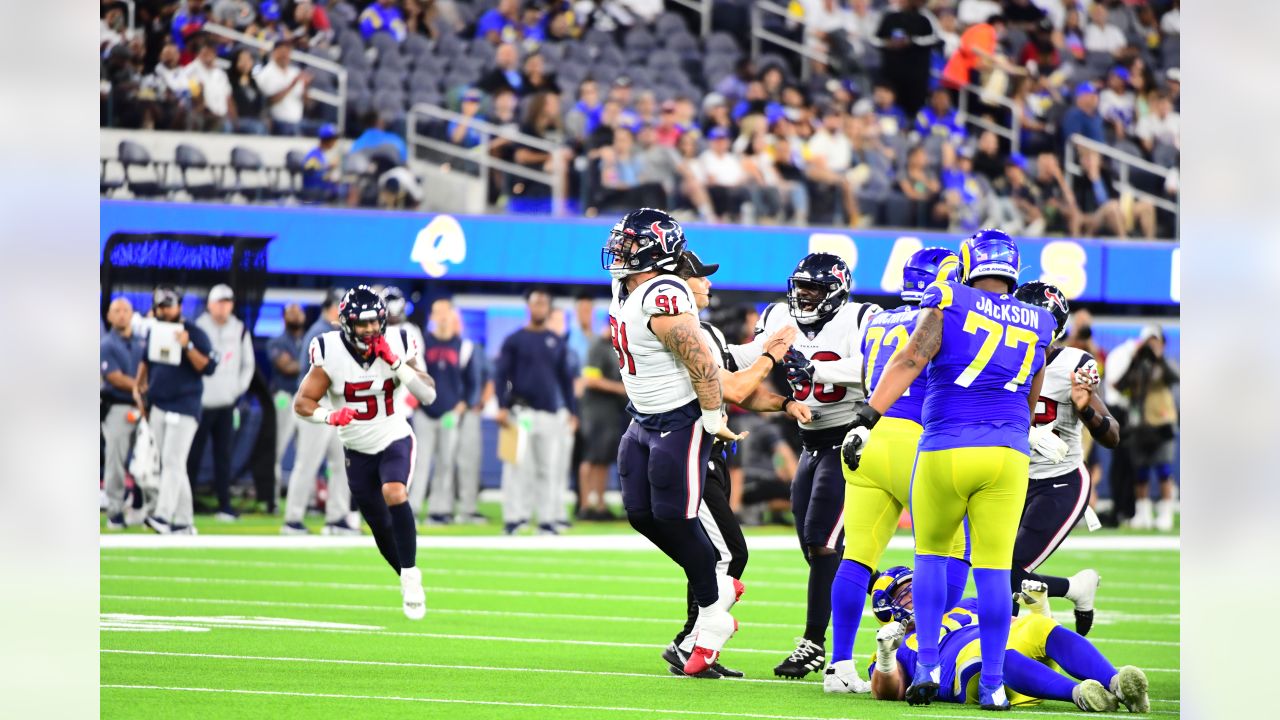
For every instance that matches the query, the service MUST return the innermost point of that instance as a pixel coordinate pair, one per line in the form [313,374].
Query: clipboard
[162,347]
[511,440]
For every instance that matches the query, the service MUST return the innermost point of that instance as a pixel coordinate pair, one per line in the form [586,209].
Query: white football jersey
[1055,404]
[656,380]
[836,354]
[371,389]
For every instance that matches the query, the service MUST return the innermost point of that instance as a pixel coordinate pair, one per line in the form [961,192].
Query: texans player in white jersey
[362,369]
[673,381]
[1058,493]
[824,368]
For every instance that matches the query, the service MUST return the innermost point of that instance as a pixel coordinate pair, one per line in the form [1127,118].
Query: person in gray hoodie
[233,348]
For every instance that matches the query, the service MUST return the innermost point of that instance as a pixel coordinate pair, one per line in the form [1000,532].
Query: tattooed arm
[907,365]
[682,335]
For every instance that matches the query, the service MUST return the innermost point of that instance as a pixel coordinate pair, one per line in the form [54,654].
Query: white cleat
[1035,597]
[415,599]
[1090,696]
[1130,687]
[1082,589]
[714,627]
[842,677]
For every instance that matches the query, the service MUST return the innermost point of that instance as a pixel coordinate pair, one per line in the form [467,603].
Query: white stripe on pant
[173,435]
[316,443]
[717,538]
[117,431]
[468,459]
[530,485]
[437,448]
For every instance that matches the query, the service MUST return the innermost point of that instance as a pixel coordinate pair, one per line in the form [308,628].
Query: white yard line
[621,541]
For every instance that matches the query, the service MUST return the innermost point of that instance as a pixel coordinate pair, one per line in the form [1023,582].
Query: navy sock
[929,593]
[994,615]
[1024,675]
[375,513]
[848,598]
[405,533]
[957,578]
[695,554]
[1057,585]
[1078,657]
[822,572]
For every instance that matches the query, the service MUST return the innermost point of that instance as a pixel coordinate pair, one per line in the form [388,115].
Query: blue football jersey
[886,335]
[959,629]
[992,346]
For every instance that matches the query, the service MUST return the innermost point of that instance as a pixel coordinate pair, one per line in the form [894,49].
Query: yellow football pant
[987,483]
[879,489]
[1028,635]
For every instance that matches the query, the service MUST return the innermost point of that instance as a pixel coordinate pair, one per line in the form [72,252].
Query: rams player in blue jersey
[1036,648]
[985,352]
[878,490]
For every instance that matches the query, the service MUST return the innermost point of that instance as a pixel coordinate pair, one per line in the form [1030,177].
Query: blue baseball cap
[1018,159]
[1086,88]
[270,10]
[1123,73]
[328,131]
[472,95]
[717,133]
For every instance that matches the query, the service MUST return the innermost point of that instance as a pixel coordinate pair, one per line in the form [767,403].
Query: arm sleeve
[248,363]
[205,346]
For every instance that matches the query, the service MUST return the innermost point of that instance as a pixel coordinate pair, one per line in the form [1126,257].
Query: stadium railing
[1012,132]
[337,99]
[1123,164]
[760,33]
[703,8]
[479,156]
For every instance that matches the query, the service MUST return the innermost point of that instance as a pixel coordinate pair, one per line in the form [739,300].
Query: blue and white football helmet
[989,253]
[924,268]
[885,592]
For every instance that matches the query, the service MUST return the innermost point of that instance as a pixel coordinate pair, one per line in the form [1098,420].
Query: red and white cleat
[714,630]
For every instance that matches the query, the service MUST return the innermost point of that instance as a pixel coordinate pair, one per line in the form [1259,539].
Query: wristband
[865,415]
[319,417]
[775,362]
[886,662]
[786,400]
[1087,414]
[1106,425]
[712,420]
[405,373]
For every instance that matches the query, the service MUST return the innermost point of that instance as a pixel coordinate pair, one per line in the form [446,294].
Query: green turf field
[318,633]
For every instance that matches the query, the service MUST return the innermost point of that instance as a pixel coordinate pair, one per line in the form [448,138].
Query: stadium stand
[1052,117]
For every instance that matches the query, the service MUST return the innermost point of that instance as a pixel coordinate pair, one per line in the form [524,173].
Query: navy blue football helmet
[396,302]
[886,596]
[361,303]
[924,268]
[643,240]
[818,287]
[1049,297]
[989,253]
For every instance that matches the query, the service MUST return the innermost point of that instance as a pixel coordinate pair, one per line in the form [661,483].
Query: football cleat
[159,525]
[1130,687]
[474,518]
[116,522]
[1090,696]
[714,630]
[842,677]
[1035,597]
[993,698]
[226,516]
[676,659]
[342,527]
[415,599]
[1082,590]
[436,520]
[806,658]
[294,528]
[548,529]
[727,672]
[924,684]
[183,530]
[511,528]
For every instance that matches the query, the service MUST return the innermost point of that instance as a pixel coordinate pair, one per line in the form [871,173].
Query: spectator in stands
[693,177]
[376,135]
[873,160]
[581,119]
[383,16]
[212,109]
[285,353]
[621,92]
[1057,202]
[1033,101]
[1100,35]
[787,163]
[542,120]
[906,39]
[764,183]
[1100,211]
[1159,131]
[940,118]
[891,118]
[973,12]
[658,163]
[1148,28]
[686,114]
[1083,118]
[947,31]
[1040,54]
[505,73]
[311,28]
[920,185]
[733,87]
[828,155]
[173,89]
[272,28]
[646,110]
[534,76]
[461,133]
[233,346]
[285,87]
[112,30]
[119,352]
[989,161]
[321,167]
[667,130]
[1173,76]
[246,98]
[1171,21]
[610,118]
[433,18]
[726,179]
[1023,14]
[187,22]
[1019,209]
[620,170]
[716,114]
[962,192]
[1073,34]
[500,25]
[1116,103]
[978,54]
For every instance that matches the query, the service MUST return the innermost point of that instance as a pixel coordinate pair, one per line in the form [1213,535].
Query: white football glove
[1049,446]
[888,639]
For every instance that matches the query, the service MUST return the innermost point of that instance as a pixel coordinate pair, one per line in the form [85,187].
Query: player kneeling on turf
[1036,642]
[362,370]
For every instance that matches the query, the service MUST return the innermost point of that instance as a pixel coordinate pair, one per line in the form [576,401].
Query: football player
[672,379]
[1035,641]
[1058,493]
[743,386]
[360,369]
[824,369]
[985,351]
[880,488]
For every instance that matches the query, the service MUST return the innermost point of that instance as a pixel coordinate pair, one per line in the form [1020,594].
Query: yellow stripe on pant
[879,489]
[987,483]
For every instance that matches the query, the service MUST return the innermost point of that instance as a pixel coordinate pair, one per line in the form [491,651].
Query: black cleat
[676,660]
[727,672]
[1084,622]
[808,657]
[924,686]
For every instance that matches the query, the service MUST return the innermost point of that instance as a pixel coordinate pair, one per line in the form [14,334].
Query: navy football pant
[366,474]
[1053,507]
[817,502]
[722,527]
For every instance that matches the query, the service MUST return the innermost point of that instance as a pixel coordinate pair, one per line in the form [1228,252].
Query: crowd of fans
[642,112]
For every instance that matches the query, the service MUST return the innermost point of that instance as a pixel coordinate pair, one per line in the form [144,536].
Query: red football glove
[341,416]
[379,348]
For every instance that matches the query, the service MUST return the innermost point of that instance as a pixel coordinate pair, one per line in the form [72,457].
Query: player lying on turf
[1037,645]
[362,372]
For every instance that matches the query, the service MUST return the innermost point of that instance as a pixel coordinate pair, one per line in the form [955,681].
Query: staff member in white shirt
[285,87]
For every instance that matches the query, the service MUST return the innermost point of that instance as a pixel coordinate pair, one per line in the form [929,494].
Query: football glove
[379,348]
[865,417]
[1048,445]
[340,417]
[799,368]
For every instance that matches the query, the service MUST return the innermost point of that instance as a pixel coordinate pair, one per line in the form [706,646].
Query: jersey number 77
[994,332]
